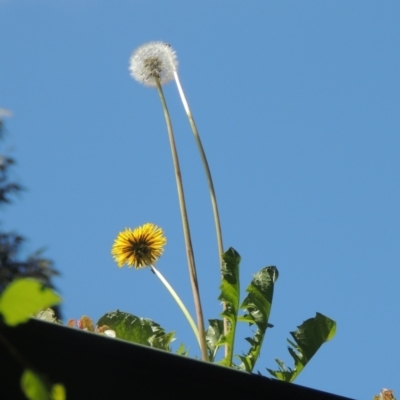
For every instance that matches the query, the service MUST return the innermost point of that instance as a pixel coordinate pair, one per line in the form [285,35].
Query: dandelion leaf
[137,330]
[182,351]
[23,298]
[257,306]
[308,338]
[214,335]
[230,292]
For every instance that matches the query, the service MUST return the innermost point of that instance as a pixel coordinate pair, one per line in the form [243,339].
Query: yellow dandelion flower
[140,247]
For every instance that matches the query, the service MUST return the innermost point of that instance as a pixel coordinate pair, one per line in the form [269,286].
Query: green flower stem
[185,222]
[209,179]
[179,302]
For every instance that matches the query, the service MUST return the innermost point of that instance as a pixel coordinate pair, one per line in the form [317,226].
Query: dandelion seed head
[153,59]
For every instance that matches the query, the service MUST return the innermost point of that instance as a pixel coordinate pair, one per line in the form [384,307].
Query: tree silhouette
[12,266]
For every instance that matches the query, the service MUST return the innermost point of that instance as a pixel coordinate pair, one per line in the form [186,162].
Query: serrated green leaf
[308,338]
[162,340]
[214,335]
[182,350]
[246,318]
[230,292]
[137,330]
[246,363]
[281,364]
[257,305]
[24,297]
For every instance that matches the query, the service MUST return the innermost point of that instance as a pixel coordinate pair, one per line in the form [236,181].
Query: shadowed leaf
[230,292]
[308,338]
[257,305]
[137,330]
[214,334]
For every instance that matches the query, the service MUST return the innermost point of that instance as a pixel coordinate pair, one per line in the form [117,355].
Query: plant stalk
[179,302]
[185,223]
[213,196]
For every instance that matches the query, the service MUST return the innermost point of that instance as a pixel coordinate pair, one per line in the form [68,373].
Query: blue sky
[297,106]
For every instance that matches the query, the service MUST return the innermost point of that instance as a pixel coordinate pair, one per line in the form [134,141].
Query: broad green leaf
[58,392]
[257,305]
[214,334]
[34,387]
[308,338]
[138,330]
[230,292]
[23,298]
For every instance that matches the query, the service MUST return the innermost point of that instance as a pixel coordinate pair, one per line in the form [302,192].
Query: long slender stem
[209,179]
[179,302]
[185,222]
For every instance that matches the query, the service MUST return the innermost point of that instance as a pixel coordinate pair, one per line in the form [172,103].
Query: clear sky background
[297,103]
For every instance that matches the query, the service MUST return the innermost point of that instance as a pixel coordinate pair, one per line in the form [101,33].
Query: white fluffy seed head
[153,59]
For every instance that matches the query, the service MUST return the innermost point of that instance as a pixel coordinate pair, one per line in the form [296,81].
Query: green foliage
[137,330]
[35,388]
[230,292]
[24,297]
[214,335]
[58,392]
[182,351]
[20,300]
[257,305]
[309,337]
[257,308]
